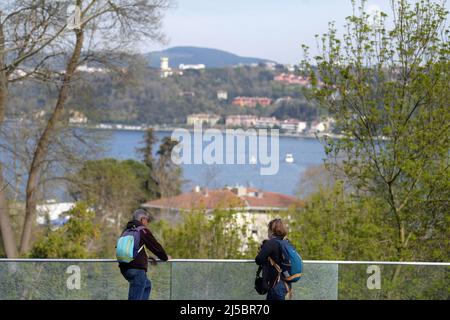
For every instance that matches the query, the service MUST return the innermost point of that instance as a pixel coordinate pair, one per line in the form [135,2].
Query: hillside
[211,58]
[146,98]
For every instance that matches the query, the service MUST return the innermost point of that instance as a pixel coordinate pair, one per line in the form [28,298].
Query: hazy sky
[270,29]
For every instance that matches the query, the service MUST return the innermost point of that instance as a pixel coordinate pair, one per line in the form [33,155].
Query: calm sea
[306,152]
[123,145]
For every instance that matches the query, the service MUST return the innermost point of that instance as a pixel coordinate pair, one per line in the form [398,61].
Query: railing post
[171,276]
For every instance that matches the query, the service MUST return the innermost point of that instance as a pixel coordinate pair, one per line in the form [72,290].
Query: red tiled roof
[271,200]
[225,198]
[198,200]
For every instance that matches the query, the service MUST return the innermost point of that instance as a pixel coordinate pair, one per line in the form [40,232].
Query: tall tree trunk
[3,79]
[8,238]
[44,142]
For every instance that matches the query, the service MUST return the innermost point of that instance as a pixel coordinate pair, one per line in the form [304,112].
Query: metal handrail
[412,263]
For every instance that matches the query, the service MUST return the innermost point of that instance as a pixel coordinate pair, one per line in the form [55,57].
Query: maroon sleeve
[153,245]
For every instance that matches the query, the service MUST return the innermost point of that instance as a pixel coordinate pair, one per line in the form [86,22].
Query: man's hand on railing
[153,261]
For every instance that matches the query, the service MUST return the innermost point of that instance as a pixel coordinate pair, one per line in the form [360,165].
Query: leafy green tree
[387,88]
[114,189]
[167,174]
[218,235]
[335,225]
[142,174]
[72,240]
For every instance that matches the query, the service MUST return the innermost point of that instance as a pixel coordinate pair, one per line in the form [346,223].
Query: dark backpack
[261,284]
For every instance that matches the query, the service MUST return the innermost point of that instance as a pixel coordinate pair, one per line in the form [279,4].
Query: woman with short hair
[270,258]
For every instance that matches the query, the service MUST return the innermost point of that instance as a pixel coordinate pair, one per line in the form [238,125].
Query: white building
[202,118]
[222,95]
[56,213]
[322,126]
[301,127]
[270,65]
[18,73]
[318,127]
[85,68]
[293,125]
[191,66]
[77,117]
[267,122]
[290,67]
[166,71]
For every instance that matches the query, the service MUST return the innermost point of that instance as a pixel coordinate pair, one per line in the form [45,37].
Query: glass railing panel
[214,280]
[73,280]
[319,282]
[393,282]
[235,281]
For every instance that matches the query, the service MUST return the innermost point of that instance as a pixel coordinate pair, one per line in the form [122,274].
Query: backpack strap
[289,290]
[277,268]
[140,228]
[289,293]
[258,273]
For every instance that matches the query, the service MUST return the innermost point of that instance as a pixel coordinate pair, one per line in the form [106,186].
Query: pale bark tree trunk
[8,238]
[44,143]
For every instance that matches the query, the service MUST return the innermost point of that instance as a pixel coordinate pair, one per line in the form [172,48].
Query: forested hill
[143,97]
[211,58]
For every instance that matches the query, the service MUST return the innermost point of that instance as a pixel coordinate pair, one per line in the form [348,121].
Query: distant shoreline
[157,128]
[165,128]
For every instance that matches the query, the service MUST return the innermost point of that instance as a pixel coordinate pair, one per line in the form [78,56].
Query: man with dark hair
[270,257]
[135,272]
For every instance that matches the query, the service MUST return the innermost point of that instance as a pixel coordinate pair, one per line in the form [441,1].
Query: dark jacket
[147,239]
[270,248]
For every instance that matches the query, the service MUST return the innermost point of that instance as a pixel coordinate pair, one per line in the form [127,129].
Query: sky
[268,29]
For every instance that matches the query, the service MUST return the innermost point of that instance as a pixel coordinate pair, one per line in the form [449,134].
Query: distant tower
[165,69]
[164,63]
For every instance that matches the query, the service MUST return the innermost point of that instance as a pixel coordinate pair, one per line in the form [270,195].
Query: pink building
[252,101]
[292,79]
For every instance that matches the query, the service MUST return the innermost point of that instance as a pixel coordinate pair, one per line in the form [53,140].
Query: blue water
[306,152]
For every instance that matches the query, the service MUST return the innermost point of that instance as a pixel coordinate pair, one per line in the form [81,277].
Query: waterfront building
[202,118]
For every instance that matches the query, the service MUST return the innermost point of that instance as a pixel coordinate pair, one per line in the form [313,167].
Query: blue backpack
[127,247]
[292,263]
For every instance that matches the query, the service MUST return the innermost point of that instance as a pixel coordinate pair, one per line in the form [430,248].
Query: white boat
[289,158]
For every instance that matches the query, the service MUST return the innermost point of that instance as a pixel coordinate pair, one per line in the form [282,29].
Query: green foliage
[141,96]
[114,189]
[151,184]
[111,184]
[388,90]
[72,240]
[201,236]
[333,225]
[167,174]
